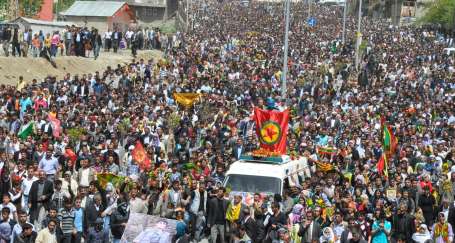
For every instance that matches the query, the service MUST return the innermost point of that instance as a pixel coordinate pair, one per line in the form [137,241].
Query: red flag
[140,156]
[56,127]
[382,165]
[69,153]
[272,129]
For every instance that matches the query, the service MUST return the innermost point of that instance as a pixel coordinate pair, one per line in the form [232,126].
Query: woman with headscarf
[422,234]
[327,236]
[294,220]
[442,230]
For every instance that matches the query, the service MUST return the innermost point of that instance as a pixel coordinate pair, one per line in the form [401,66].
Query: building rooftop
[42,22]
[94,8]
[147,3]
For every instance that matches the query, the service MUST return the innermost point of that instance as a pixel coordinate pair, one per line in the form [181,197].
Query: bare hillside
[13,67]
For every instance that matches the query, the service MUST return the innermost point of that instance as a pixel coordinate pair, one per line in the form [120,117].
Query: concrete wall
[37,27]
[120,20]
[148,14]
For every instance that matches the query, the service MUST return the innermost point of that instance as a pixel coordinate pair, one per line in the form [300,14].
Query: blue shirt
[380,237]
[78,219]
[49,166]
[24,103]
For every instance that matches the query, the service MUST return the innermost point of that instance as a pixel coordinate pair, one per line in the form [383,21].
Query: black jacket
[48,190]
[255,230]
[403,224]
[26,239]
[116,223]
[213,210]
[119,35]
[91,213]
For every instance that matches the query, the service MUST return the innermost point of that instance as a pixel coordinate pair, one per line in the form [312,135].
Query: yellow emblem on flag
[270,132]
[186,99]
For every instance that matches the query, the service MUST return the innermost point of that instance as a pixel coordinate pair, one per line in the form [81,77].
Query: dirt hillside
[13,67]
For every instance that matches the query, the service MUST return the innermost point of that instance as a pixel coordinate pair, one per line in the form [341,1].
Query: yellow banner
[186,99]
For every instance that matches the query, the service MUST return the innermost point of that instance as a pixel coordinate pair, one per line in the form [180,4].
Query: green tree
[29,8]
[440,12]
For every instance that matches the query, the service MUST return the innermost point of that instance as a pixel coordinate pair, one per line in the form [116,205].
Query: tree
[440,12]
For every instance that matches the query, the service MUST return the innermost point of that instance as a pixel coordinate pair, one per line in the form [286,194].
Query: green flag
[26,131]
[104,178]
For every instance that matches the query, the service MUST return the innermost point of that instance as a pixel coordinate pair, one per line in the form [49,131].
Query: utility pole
[309,8]
[285,52]
[344,22]
[187,15]
[359,37]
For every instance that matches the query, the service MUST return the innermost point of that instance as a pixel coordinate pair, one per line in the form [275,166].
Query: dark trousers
[77,238]
[134,50]
[16,49]
[68,46]
[107,44]
[67,238]
[115,44]
[79,49]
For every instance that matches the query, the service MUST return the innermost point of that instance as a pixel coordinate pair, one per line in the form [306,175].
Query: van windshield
[248,183]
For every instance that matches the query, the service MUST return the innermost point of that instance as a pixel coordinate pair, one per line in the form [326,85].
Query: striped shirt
[163,73]
[67,220]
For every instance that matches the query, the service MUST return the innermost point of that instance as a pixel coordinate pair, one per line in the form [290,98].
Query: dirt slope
[13,67]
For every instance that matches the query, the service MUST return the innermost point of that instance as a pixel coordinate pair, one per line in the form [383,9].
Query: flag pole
[285,53]
[359,37]
[344,22]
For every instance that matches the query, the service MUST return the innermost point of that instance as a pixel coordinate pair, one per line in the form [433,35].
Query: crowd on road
[48,183]
[78,41]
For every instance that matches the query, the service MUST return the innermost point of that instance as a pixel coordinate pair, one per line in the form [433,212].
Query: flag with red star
[272,128]
[140,156]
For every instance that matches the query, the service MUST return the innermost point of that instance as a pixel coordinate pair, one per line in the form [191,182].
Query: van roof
[277,170]
[243,167]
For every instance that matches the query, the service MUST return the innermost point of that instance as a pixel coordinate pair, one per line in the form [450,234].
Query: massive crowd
[233,56]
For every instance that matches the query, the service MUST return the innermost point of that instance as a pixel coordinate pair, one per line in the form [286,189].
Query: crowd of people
[78,41]
[233,56]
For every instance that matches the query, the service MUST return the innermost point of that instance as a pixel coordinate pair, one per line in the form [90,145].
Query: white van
[265,175]
[449,51]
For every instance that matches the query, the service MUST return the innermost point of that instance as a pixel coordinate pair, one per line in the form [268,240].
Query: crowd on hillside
[78,41]
[233,56]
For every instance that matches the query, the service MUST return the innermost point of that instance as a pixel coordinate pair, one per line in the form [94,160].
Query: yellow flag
[186,99]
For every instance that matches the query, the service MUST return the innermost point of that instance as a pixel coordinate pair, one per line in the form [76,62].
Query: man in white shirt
[107,40]
[85,174]
[6,203]
[26,185]
[128,35]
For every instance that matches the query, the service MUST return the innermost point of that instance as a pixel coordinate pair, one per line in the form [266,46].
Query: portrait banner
[148,228]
